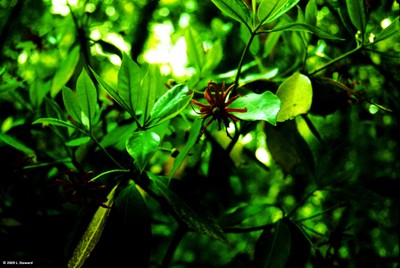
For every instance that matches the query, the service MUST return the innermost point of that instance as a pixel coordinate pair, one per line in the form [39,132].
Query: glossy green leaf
[133,224]
[117,135]
[391,31]
[263,106]
[236,9]
[194,48]
[114,95]
[295,94]
[66,70]
[270,10]
[139,87]
[273,248]
[20,146]
[71,104]
[141,146]
[204,225]
[303,27]
[193,136]
[87,97]
[92,234]
[78,141]
[356,11]
[170,104]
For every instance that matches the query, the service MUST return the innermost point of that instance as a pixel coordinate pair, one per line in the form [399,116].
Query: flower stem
[239,70]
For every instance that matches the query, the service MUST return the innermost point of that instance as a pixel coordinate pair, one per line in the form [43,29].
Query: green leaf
[71,104]
[263,106]
[357,14]
[170,105]
[193,136]
[38,91]
[303,27]
[132,219]
[114,95]
[117,135]
[295,94]
[270,10]
[194,48]
[66,70]
[273,249]
[139,87]
[311,12]
[57,122]
[236,9]
[92,234]
[20,146]
[141,146]
[391,31]
[87,98]
[204,225]
[78,141]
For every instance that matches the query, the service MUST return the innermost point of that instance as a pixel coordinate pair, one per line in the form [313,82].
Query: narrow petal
[226,93]
[195,102]
[236,110]
[231,100]
[208,94]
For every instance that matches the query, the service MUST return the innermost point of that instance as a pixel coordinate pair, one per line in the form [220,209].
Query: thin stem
[105,151]
[110,171]
[239,70]
[236,230]
[176,239]
[321,213]
[336,60]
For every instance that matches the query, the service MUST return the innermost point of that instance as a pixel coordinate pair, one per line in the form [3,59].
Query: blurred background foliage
[334,171]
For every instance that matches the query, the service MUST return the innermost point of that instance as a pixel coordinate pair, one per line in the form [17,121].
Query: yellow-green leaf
[295,94]
[92,234]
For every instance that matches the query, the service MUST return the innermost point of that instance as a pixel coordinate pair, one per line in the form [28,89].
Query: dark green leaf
[170,105]
[193,136]
[17,145]
[133,224]
[357,14]
[204,225]
[87,98]
[311,12]
[141,146]
[303,27]
[263,106]
[37,92]
[270,10]
[273,248]
[71,104]
[117,135]
[236,9]
[295,94]
[66,70]
[92,234]
[300,245]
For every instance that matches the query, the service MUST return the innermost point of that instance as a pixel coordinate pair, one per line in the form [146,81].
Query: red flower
[78,188]
[217,108]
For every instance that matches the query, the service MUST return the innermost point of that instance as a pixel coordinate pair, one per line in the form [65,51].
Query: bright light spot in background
[320,228]
[263,156]
[371,37]
[184,20]
[247,138]
[61,7]
[385,23]
[117,41]
[23,57]
[171,56]
[95,34]
[306,211]
[115,59]
[373,109]
[90,7]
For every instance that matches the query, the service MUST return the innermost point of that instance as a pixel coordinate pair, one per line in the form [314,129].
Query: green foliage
[111,155]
